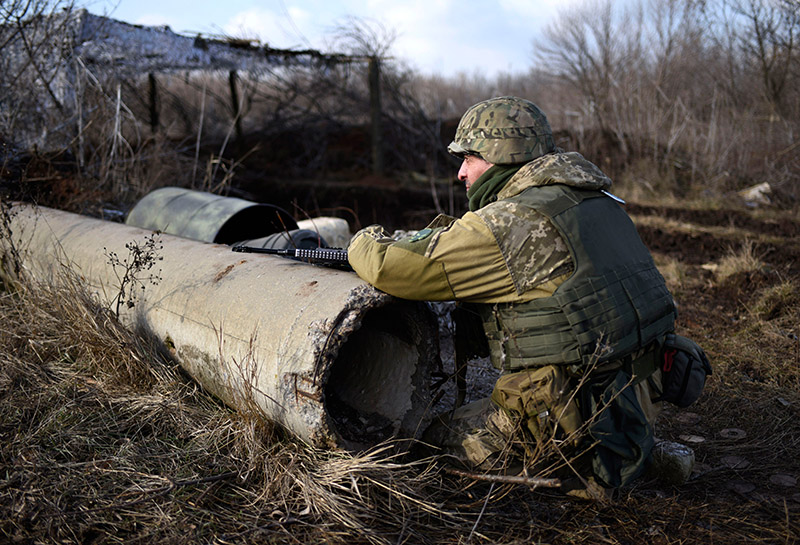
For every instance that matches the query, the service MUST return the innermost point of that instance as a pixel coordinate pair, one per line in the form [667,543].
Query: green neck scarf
[486,188]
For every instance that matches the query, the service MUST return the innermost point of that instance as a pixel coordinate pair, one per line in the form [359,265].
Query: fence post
[235,103]
[153,88]
[375,114]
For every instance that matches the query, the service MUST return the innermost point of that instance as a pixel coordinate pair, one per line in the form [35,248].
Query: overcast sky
[434,36]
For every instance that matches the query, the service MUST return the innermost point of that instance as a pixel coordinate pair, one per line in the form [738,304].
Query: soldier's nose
[462,172]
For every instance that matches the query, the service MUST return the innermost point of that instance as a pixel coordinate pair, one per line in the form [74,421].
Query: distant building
[47,65]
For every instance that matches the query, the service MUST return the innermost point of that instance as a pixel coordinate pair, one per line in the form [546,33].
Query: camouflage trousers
[530,422]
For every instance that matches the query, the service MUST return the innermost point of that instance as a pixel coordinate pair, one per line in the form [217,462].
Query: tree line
[686,97]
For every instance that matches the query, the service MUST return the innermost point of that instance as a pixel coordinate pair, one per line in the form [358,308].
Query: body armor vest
[614,303]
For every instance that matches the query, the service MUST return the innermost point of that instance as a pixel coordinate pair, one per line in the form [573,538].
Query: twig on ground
[533,482]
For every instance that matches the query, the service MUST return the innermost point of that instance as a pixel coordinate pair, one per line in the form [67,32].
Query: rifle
[323,256]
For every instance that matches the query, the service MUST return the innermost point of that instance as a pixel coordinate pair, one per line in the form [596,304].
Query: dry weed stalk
[10,262]
[133,271]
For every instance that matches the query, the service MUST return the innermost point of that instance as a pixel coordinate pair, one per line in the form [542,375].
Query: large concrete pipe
[316,349]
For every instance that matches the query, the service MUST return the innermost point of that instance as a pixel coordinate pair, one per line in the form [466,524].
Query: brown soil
[745,482]
[744,488]
[755,386]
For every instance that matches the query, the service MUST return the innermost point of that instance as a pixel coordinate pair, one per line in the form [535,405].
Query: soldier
[572,307]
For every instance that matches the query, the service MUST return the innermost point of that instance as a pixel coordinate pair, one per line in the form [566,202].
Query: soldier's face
[472,167]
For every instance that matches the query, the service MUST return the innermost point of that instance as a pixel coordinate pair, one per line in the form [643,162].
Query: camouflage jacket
[501,253]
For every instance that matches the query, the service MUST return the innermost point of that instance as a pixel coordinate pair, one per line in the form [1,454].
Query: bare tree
[582,47]
[31,50]
[768,35]
[706,88]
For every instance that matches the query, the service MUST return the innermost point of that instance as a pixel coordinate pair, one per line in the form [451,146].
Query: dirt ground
[735,274]
[744,430]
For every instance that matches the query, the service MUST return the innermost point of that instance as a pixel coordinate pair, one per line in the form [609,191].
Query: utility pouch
[543,398]
[684,371]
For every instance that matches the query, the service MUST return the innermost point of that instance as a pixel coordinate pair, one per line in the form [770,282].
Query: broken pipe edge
[375,369]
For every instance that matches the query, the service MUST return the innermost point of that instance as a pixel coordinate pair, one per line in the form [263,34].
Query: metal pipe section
[207,217]
[335,361]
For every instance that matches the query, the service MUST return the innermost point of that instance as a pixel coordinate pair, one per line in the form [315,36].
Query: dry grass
[744,260]
[103,439]
[674,274]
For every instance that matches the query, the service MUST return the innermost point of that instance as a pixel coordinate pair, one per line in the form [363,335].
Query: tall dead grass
[105,439]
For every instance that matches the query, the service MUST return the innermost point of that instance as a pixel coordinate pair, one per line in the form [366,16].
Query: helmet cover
[503,131]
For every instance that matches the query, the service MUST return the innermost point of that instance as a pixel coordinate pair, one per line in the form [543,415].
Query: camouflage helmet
[503,131]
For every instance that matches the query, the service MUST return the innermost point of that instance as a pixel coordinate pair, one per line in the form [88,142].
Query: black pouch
[684,371]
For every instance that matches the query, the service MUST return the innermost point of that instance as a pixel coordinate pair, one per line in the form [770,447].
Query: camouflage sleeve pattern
[459,261]
[536,251]
[498,255]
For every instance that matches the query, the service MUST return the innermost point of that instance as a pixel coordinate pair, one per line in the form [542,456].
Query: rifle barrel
[326,255]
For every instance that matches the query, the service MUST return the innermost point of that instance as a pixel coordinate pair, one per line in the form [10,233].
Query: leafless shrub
[31,41]
[79,121]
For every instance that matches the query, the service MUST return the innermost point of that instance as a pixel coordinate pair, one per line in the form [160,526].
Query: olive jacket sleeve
[451,259]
